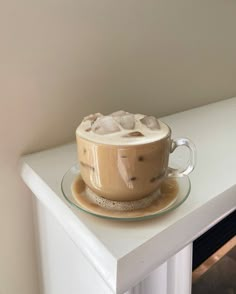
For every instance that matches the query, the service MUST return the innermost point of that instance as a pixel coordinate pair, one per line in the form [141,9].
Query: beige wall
[60,60]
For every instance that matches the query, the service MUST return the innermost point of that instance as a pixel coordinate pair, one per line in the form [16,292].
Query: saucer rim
[163,211]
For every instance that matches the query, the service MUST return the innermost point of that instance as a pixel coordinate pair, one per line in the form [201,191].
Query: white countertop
[125,252]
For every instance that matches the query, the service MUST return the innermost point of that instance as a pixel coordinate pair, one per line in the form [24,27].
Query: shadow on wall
[85,57]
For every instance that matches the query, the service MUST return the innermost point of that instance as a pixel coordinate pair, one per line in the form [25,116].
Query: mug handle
[192,158]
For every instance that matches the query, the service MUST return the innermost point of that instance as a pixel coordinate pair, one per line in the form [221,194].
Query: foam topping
[122,128]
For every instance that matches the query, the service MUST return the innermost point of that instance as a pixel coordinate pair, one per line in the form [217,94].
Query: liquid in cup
[124,156]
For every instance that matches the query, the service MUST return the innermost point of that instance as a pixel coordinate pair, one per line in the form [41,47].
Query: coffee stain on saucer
[169,190]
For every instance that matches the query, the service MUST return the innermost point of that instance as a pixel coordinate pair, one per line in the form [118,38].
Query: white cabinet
[81,253]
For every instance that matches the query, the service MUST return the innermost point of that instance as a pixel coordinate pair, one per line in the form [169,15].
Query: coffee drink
[124,156]
[145,207]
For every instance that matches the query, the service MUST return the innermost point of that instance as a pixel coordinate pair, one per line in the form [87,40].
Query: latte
[123,156]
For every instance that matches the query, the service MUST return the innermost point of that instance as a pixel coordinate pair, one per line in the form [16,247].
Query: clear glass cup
[129,172]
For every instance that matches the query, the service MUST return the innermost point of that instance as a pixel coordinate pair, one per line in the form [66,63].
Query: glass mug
[129,172]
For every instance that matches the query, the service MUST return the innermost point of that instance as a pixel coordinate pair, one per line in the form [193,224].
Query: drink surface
[122,128]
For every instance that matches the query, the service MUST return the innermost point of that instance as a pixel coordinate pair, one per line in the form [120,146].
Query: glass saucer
[173,192]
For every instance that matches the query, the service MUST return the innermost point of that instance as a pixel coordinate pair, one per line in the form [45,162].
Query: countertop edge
[135,260]
[104,263]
